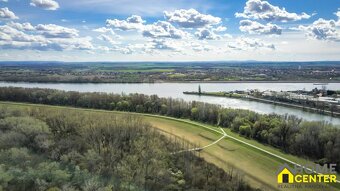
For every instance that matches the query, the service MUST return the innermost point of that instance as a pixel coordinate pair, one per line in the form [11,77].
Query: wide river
[176,90]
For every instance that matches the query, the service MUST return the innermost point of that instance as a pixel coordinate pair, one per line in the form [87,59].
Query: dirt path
[200,148]
[236,139]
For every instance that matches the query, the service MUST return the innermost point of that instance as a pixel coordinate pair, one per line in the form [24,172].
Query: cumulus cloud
[162,44]
[80,43]
[322,29]
[165,35]
[163,29]
[56,31]
[154,46]
[134,22]
[42,37]
[206,34]
[104,30]
[263,10]
[159,29]
[243,43]
[338,15]
[220,29]
[11,38]
[253,27]
[135,19]
[21,26]
[5,13]
[191,18]
[45,4]
[129,48]
[109,31]
[157,46]
[107,38]
[8,33]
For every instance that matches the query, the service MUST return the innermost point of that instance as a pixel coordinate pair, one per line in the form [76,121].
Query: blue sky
[169,30]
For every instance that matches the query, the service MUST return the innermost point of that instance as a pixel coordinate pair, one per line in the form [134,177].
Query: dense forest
[318,141]
[58,149]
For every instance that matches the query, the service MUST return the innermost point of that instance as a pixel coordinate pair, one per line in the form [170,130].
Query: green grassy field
[257,167]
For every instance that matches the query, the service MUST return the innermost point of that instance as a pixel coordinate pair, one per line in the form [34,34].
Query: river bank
[175,90]
[252,98]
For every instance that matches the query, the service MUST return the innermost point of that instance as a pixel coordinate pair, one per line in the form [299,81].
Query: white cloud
[191,18]
[123,50]
[263,10]
[4,1]
[167,46]
[42,37]
[103,48]
[11,34]
[45,4]
[338,15]
[253,27]
[21,26]
[104,30]
[29,45]
[322,29]
[159,29]
[5,13]
[81,43]
[243,43]
[135,19]
[56,31]
[107,34]
[154,46]
[198,47]
[134,22]
[107,38]
[12,38]
[163,44]
[220,29]
[163,29]
[206,34]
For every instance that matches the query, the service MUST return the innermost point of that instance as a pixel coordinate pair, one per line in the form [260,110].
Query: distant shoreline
[160,82]
[329,82]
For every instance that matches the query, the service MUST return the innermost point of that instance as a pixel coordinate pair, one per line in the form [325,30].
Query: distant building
[267,93]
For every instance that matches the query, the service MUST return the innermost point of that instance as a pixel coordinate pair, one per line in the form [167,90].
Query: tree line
[62,150]
[318,141]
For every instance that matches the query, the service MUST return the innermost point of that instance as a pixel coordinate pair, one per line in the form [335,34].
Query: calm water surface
[175,90]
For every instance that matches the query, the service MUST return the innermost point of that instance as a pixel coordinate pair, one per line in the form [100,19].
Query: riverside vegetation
[59,149]
[317,141]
